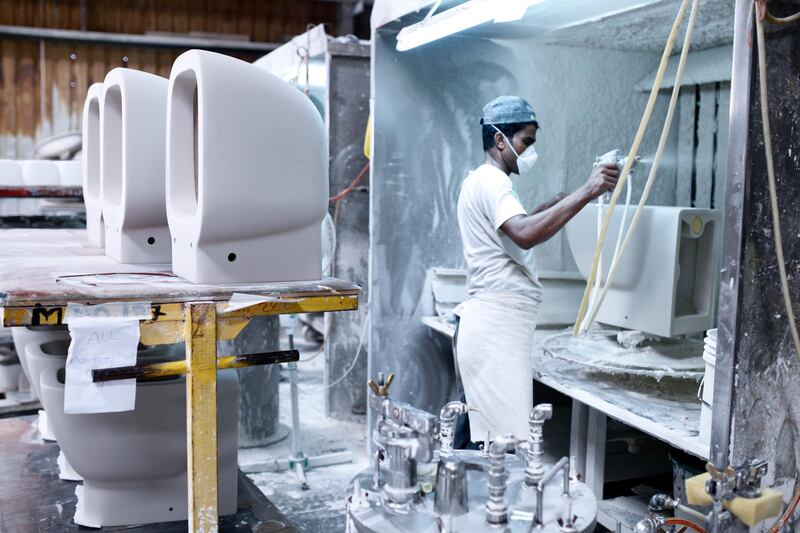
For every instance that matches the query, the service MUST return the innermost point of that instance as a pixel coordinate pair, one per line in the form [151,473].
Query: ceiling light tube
[460,18]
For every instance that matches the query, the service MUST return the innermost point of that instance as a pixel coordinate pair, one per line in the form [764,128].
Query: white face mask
[526,159]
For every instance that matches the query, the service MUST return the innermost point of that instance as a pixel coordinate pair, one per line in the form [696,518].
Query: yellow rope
[662,142]
[631,156]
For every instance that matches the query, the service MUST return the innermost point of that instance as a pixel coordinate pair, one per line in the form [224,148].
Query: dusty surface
[321,508]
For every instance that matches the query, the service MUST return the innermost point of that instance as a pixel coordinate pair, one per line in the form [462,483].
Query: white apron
[494,348]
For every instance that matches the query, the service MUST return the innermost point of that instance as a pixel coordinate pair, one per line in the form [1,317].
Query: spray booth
[627,409]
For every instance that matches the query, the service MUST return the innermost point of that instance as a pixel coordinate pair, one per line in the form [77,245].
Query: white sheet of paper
[241,301]
[100,343]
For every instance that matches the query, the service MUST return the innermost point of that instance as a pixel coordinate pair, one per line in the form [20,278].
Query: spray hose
[685,523]
[580,324]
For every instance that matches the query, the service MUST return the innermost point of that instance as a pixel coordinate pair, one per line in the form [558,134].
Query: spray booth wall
[427,104]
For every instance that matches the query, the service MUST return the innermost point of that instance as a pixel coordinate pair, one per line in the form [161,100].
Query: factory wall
[43,83]
[427,103]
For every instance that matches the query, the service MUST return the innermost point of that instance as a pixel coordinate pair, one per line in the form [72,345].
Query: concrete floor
[321,508]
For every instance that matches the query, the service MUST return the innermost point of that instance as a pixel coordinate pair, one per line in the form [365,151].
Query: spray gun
[614,157]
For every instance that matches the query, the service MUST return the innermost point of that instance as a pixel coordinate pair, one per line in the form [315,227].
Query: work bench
[672,417]
[42,272]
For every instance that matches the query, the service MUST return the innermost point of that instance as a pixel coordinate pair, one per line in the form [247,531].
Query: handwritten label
[133,310]
[100,343]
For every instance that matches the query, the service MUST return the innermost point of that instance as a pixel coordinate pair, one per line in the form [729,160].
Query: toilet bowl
[666,283]
[10,372]
[134,463]
[247,174]
[25,335]
[10,173]
[39,173]
[92,192]
[132,127]
[70,173]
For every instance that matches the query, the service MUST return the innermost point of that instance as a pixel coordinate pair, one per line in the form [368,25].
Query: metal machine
[413,486]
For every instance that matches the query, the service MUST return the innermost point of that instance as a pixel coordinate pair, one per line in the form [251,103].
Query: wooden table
[43,271]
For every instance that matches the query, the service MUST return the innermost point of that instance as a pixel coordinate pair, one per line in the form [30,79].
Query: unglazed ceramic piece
[666,283]
[92,184]
[25,335]
[247,174]
[10,176]
[132,127]
[70,173]
[134,463]
[39,172]
[10,173]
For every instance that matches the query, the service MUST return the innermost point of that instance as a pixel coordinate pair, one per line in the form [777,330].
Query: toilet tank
[667,281]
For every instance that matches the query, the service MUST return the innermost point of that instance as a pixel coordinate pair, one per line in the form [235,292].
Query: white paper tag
[242,301]
[100,343]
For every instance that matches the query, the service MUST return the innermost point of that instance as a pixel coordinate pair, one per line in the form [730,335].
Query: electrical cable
[773,194]
[358,352]
[772,19]
[682,522]
[662,142]
[784,519]
[350,187]
[651,101]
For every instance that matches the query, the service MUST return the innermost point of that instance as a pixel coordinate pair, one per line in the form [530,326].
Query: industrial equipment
[413,486]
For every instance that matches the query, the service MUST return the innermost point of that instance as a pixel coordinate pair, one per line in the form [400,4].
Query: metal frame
[200,325]
[736,200]
[132,39]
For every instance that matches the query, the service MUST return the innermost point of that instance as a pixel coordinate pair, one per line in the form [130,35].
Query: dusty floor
[321,508]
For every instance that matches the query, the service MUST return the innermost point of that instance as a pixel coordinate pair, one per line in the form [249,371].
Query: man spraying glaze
[494,339]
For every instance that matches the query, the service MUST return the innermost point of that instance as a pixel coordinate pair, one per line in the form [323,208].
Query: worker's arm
[550,203]
[534,229]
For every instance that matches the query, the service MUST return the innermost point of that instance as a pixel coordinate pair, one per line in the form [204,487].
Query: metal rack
[41,274]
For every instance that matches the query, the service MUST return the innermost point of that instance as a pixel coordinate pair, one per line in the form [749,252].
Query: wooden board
[40,267]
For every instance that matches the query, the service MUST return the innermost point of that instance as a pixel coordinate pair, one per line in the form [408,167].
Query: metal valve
[381,388]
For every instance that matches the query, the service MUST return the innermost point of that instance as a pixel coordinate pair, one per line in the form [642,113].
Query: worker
[494,338]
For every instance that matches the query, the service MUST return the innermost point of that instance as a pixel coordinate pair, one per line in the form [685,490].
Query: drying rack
[43,270]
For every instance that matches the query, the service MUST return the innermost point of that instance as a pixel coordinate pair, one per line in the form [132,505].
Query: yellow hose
[662,142]
[773,195]
[631,156]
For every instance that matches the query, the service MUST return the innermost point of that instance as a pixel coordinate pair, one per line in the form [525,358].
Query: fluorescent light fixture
[460,18]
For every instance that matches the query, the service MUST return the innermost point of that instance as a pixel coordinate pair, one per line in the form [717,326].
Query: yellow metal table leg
[201,416]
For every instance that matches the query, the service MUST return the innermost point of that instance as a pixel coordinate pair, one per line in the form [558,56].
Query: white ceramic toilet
[134,463]
[10,176]
[92,192]
[25,335]
[666,283]
[40,173]
[70,173]
[132,127]
[247,173]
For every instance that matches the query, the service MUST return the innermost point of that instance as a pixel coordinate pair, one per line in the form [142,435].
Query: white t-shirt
[494,261]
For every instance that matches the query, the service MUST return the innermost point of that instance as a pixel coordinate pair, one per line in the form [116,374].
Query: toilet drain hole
[231,257]
[170,509]
[151,240]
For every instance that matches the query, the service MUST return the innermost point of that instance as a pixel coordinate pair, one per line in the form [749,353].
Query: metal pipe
[176,368]
[535,468]
[563,464]
[295,400]
[497,506]
[447,423]
[132,39]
